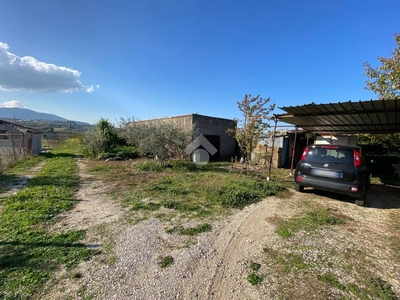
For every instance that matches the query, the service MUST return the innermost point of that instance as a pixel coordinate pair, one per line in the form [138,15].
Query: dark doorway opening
[215,141]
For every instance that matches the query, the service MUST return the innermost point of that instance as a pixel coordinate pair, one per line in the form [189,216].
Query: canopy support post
[293,151]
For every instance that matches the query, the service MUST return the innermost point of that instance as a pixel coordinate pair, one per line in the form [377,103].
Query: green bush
[126,152]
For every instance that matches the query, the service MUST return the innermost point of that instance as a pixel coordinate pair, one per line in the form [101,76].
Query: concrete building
[215,130]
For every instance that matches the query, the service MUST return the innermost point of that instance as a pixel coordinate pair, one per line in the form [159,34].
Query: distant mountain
[28,114]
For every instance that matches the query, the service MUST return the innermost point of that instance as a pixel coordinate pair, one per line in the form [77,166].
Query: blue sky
[83,60]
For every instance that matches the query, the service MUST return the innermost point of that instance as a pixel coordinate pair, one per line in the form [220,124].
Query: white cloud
[27,73]
[12,104]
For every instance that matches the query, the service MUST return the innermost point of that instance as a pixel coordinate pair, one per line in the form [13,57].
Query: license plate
[326,173]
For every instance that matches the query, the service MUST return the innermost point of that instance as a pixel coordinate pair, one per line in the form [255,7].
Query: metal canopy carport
[372,116]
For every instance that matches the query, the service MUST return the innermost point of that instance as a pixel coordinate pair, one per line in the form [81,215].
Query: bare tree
[385,79]
[249,129]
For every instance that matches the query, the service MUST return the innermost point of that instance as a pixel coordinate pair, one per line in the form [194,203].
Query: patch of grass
[190,191]
[332,280]
[166,261]
[149,165]
[381,289]
[190,230]
[293,262]
[310,222]
[254,279]
[28,254]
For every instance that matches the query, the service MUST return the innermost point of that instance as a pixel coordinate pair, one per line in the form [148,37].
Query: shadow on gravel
[379,196]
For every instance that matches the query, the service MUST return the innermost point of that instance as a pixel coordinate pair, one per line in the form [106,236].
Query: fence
[12,149]
[49,143]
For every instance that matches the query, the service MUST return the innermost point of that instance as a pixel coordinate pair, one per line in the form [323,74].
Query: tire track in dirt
[231,247]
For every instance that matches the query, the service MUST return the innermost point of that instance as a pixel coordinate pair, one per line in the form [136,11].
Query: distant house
[26,140]
[49,135]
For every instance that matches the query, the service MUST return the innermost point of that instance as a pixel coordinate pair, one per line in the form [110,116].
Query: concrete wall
[218,127]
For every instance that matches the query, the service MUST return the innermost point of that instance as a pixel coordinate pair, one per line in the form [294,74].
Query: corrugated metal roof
[371,116]
[21,128]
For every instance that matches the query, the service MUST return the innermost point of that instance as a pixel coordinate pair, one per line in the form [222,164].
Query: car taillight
[357,158]
[303,157]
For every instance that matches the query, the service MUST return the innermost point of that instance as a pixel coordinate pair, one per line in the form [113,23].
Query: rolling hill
[28,114]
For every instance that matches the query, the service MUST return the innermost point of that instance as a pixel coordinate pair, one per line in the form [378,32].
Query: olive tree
[163,138]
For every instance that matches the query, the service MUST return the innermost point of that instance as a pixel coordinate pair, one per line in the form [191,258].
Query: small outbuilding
[215,130]
[23,139]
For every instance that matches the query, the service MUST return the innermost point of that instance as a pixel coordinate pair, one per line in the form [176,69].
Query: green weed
[165,261]
[254,279]
[332,280]
[190,230]
[310,222]
[255,266]
[381,289]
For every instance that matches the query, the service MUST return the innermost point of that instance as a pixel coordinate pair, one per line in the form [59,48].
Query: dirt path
[93,208]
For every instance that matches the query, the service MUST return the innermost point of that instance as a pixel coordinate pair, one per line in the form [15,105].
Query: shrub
[126,152]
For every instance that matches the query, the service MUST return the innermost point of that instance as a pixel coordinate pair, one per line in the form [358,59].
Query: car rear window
[335,155]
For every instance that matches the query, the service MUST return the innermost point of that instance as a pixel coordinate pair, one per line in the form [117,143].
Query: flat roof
[352,117]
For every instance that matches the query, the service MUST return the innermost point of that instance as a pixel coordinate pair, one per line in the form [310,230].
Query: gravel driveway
[213,265]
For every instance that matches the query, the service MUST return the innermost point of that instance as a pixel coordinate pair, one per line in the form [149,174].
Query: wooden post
[272,150]
[13,146]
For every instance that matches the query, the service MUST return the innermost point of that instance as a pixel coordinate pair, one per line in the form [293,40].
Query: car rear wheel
[298,187]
